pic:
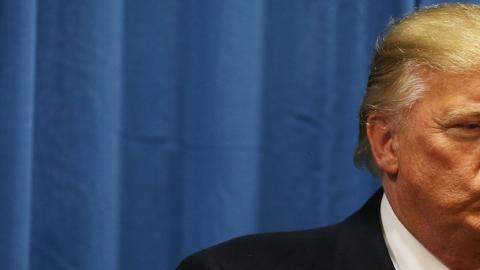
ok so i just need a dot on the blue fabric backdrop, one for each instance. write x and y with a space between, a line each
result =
135 132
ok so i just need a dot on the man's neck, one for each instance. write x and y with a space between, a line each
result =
405 250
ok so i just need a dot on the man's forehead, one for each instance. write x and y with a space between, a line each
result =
456 88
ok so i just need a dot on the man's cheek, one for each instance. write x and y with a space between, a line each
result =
441 156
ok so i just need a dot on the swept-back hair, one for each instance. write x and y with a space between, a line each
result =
445 38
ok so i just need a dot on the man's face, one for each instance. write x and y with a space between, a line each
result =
437 188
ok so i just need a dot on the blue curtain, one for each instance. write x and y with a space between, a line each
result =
135 132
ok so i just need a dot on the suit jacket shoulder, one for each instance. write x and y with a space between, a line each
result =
290 250
356 243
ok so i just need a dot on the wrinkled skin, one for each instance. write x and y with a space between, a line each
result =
432 179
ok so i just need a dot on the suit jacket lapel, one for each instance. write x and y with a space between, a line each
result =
360 243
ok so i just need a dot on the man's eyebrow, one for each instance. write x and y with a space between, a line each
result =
459 113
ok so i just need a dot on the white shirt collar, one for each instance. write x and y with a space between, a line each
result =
404 249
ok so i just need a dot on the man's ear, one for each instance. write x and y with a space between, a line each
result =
383 145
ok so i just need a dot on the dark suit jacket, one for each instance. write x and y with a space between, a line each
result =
356 243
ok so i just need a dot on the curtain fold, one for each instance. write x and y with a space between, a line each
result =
133 133
76 187
17 73
151 144
221 120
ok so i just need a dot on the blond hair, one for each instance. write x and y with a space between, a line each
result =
444 38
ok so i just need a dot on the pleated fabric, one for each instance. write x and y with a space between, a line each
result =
133 133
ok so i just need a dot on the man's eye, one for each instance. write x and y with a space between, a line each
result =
470 126
467 131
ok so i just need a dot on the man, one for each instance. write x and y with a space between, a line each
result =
420 134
